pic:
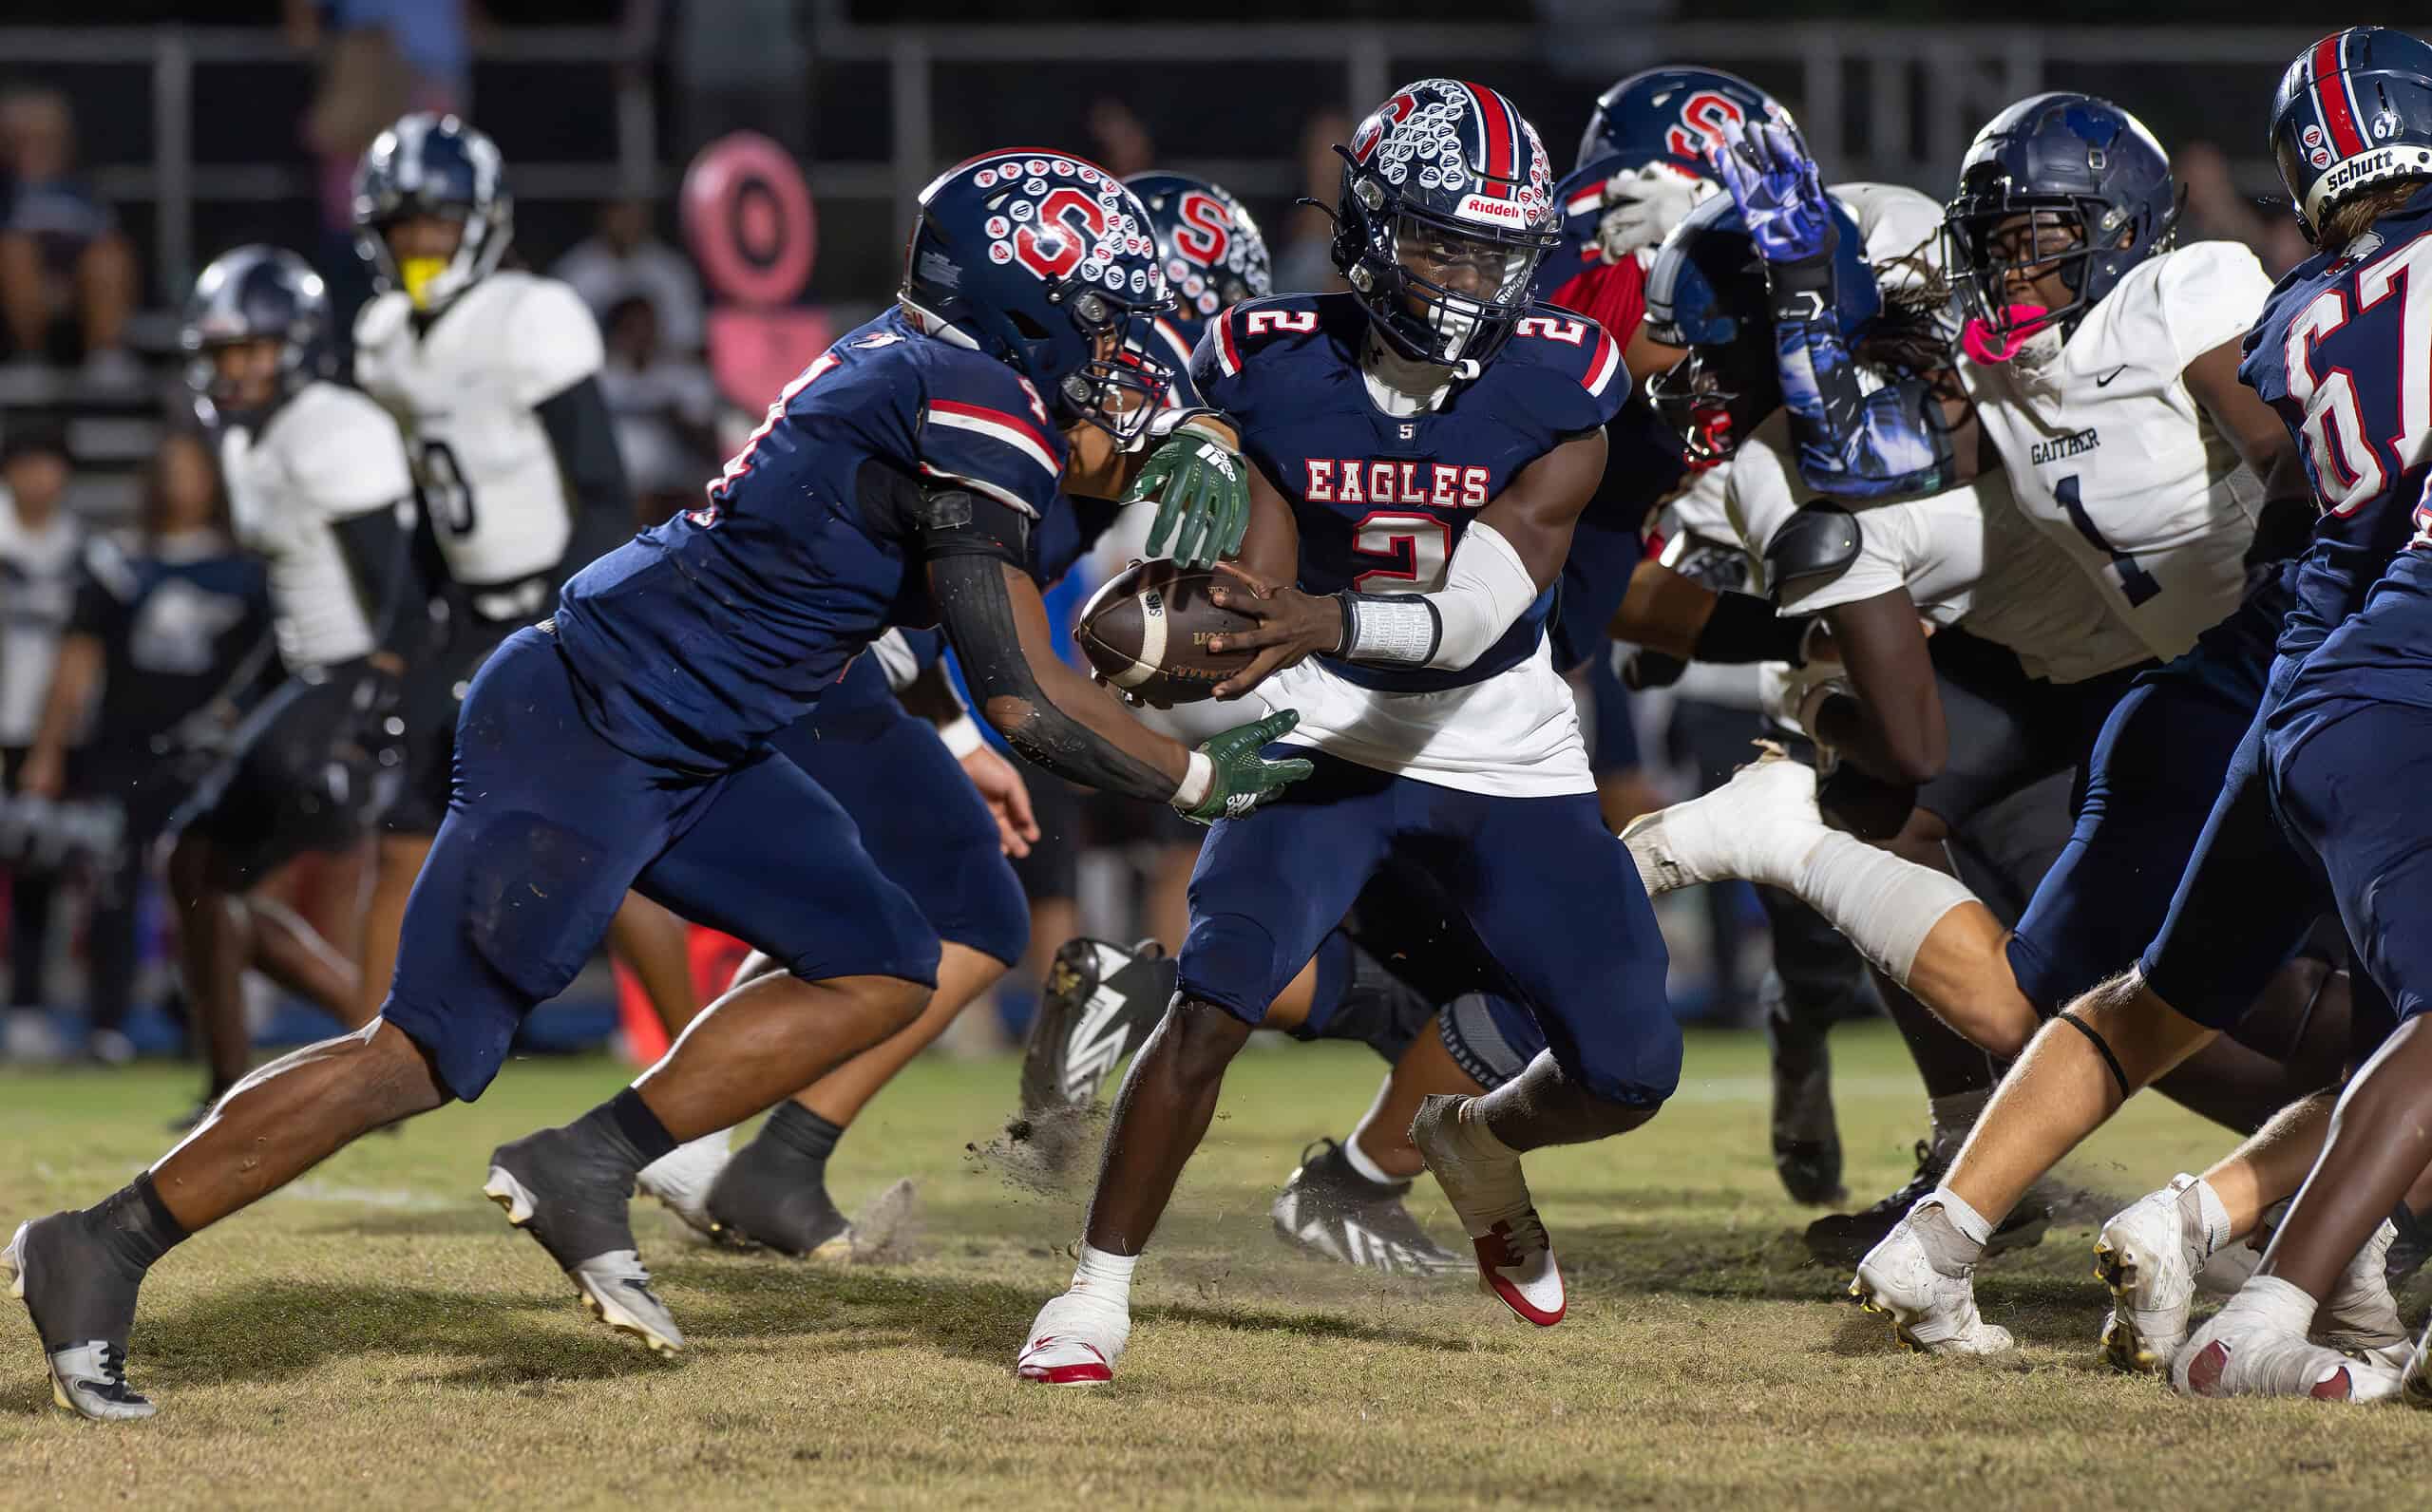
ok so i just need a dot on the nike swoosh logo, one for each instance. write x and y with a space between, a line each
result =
2104 382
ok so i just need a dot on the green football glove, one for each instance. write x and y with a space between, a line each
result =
1243 778
1203 492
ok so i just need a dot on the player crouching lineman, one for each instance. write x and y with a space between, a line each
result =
1437 728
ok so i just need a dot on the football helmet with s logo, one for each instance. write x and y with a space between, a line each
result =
1047 263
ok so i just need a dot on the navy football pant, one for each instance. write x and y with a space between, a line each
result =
921 820
2163 758
2347 790
1553 897
550 824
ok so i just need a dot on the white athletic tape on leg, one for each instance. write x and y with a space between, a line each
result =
1884 904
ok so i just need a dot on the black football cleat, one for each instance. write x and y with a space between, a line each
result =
1100 1004
1331 1210
1845 1238
573 1200
772 1197
82 1305
1806 1134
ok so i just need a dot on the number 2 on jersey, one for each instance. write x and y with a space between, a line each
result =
2136 584
1416 546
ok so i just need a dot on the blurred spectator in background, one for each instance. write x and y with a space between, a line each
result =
430 38
621 260
666 410
2217 211
1118 140
166 618
1305 263
40 542
68 276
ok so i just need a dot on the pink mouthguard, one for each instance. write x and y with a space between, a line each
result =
1981 342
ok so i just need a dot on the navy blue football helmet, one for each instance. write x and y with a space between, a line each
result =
2088 183
433 166
1045 262
1448 174
1215 255
255 294
1673 115
1707 292
2354 110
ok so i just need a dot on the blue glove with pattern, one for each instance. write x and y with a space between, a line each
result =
1779 193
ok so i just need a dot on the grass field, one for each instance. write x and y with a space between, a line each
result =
376 1337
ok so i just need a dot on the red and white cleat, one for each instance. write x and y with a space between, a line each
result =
2249 1349
1075 1341
1490 1197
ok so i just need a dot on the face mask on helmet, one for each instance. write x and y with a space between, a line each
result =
1120 386
2020 273
1453 280
1712 398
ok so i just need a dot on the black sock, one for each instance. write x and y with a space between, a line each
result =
802 1133
136 1226
630 1123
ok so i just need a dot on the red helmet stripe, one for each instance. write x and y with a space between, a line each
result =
2331 92
1502 140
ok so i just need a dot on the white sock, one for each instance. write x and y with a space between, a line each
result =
1950 1117
1368 1169
2213 1215
1105 1277
1969 1224
1885 905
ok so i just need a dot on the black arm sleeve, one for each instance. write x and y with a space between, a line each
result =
1743 627
380 558
977 613
583 437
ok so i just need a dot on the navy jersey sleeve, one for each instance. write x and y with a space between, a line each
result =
1568 370
981 425
1235 341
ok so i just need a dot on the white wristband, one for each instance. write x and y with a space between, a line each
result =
1397 631
961 735
1197 779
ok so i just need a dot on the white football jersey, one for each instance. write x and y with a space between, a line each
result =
465 386
1966 556
2110 455
326 455
37 598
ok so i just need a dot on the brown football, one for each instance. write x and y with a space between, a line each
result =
1146 633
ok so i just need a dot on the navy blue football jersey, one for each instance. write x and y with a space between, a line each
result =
2343 352
705 634
1382 501
174 622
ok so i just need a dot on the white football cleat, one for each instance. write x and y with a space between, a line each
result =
2360 1316
1932 1310
2144 1255
2244 1349
1075 1341
1490 1197
2415 1384
1724 834
680 1179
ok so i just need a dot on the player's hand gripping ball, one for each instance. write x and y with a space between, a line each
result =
1149 634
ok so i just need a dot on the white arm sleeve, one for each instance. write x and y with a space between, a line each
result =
1485 588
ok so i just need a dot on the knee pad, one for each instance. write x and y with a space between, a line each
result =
1228 961
1489 1037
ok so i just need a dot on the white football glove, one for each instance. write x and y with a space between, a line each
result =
1642 206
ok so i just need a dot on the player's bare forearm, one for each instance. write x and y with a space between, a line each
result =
1536 510
1895 730
2253 426
1662 611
